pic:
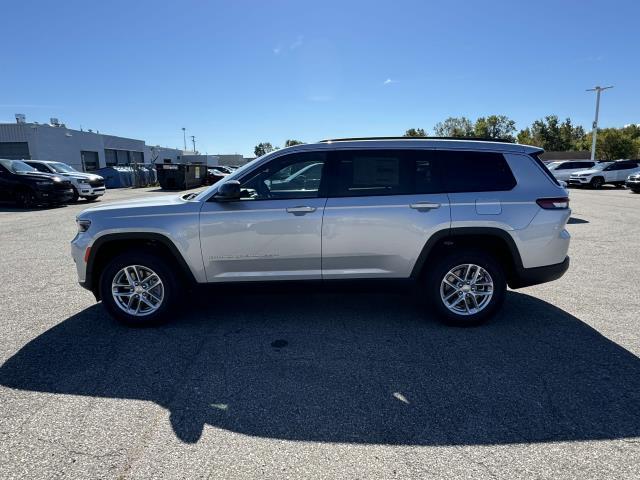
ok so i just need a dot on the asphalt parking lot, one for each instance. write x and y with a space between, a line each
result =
326 384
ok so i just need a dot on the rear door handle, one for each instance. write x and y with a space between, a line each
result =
424 205
301 210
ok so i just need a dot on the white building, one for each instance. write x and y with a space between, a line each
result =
83 150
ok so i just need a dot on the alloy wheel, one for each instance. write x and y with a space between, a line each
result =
466 289
137 290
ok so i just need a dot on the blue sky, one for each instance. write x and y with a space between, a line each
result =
239 72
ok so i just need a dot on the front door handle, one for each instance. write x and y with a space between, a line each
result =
424 205
301 210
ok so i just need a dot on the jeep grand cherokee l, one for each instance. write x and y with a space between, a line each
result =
463 219
28 187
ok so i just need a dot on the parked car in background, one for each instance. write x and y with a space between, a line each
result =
614 173
562 170
85 185
462 219
29 187
214 174
223 169
633 182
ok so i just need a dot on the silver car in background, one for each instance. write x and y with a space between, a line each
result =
563 169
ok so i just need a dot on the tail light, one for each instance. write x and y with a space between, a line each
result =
557 203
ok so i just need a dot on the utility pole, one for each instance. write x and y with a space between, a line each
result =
594 133
184 137
193 139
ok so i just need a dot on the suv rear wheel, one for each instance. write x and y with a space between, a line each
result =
138 289
466 288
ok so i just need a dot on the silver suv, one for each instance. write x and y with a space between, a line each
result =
463 219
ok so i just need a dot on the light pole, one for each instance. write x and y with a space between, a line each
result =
193 139
184 137
594 134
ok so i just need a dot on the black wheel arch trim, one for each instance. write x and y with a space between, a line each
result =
90 282
518 278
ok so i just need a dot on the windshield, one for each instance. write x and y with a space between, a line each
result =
16 166
599 166
62 167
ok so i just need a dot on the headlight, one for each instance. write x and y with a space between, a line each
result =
83 225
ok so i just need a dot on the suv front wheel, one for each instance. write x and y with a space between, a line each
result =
466 288
138 289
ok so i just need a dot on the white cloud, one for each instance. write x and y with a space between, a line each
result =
388 81
277 50
297 43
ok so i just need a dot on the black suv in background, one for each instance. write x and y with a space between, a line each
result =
28 187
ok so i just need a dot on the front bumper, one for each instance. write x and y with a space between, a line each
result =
54 195
79 246
633 184
89 191
525 277
579 180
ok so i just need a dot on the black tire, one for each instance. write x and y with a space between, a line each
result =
26 199
441 268
153 262
597 183
76 196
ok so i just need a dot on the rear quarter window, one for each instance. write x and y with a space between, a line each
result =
472 171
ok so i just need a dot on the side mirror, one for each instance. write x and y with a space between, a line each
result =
228 191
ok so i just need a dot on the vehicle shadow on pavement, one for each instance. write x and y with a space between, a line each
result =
368 367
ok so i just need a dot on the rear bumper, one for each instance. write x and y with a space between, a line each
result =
525 277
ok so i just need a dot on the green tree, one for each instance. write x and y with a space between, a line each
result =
291 143
415 132
552 135
263 148
454 127
612 144
497 127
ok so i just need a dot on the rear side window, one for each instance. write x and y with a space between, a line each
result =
360 173
372 172
468 171
544 168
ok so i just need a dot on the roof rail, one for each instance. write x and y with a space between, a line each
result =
473 139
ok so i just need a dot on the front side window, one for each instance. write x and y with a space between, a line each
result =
472 171
298 175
